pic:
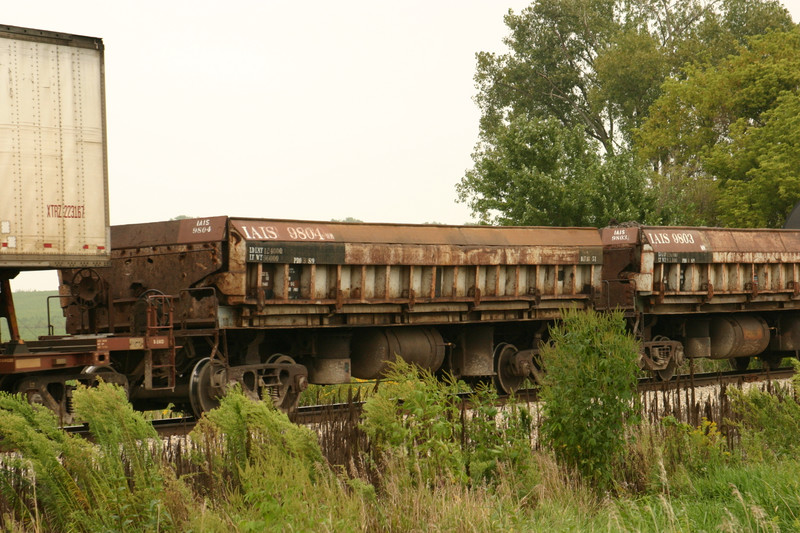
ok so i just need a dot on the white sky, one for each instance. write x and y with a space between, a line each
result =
284 109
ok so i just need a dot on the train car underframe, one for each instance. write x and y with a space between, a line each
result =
737 337
280 363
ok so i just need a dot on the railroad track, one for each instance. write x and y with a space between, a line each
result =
321 413
714 378
179 426
315 414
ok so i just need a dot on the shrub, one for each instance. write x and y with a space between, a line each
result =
114 484
240 431
589 392
418 421
417 418
769 424
697 449
267 473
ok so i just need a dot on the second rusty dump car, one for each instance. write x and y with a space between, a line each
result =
708 292
277 304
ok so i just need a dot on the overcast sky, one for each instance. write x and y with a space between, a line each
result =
284 109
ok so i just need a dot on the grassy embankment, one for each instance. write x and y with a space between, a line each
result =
422 465
419 467
31 309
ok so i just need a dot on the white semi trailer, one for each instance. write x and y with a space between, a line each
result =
53 199
54 185
53 157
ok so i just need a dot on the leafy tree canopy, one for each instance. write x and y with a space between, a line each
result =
581 76
733 130
566 182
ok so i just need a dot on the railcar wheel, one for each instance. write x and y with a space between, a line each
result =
667 373
740 364
201 393
280 359
771 362
108 375
506 379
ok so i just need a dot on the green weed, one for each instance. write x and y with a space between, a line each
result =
418 420
589 392
266 473
768 424
113 484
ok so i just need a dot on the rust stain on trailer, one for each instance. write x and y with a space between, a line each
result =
371 254
425 234
723 240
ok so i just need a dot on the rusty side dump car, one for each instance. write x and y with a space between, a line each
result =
275 304
707 292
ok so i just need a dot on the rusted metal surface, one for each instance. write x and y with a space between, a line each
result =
170 232
7 309
617 236
304 231
380 263
234 280
710 266
35 362
473 351
722 245
618 289
215 228
738 336
286 273
374 349
171 270
787 333
722 293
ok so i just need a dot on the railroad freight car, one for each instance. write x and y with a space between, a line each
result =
706 292
276 304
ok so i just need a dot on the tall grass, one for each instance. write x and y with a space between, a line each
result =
70 484
418 420
426 462
265 473
31 310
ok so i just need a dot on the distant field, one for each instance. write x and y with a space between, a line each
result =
31 307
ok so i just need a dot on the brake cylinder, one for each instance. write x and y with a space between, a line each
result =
738 336
373 349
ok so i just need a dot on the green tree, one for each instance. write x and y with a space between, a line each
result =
599 64
538 172
769 189
725 137
595 67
